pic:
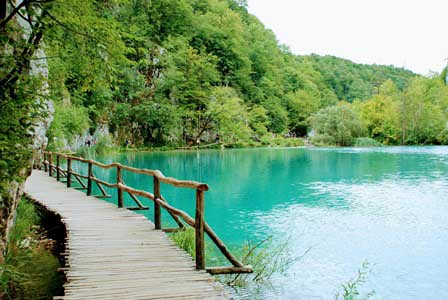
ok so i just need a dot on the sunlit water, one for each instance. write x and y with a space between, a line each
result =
387 206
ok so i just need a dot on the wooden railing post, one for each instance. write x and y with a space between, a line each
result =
50 161
119 190
89 180
199 224
157 213
58 164
199 228
45 165
69 172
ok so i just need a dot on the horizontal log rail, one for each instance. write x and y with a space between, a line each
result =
179 216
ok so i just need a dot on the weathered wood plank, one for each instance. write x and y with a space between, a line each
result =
113 253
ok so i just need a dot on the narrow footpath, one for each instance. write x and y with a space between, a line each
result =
114 253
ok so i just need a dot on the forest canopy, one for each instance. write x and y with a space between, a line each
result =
172 72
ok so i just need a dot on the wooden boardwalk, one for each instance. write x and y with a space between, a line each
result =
114 253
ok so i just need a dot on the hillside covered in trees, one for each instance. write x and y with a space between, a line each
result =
173 72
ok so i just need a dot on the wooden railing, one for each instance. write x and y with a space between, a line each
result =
198 222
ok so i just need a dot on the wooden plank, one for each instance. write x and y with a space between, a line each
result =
119 189
157 213
113 253
229 270
103 191
138 208
58 168
199 230
83 185
89 179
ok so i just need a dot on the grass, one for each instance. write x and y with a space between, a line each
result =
269 141
351 289
366 142
185 239
266 258
266 141
30 268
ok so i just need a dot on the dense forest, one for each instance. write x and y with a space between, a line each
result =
183 72
175 72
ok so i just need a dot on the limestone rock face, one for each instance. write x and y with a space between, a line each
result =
101 132
40 68
12 188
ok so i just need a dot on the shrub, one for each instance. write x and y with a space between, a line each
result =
30 269
336 125
69 121
266 258
280 141
366 142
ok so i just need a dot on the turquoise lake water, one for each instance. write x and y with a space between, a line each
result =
387 206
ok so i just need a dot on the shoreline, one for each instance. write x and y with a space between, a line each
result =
114 150
190 149
202 148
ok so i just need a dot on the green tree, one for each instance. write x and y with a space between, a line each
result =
87 55
380 114
221 32
69 121
230 115
258 120
336 125
22 93
352 81
187 82
422 116
278 117
159 123
18 104
301 105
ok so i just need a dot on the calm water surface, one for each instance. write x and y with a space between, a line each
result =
387 206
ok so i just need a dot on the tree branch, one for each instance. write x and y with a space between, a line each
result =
68 28
13 13
26 55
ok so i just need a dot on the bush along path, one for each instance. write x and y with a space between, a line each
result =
31 261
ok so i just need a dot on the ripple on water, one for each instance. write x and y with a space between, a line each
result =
386 205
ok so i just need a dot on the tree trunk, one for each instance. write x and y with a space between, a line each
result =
9 199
